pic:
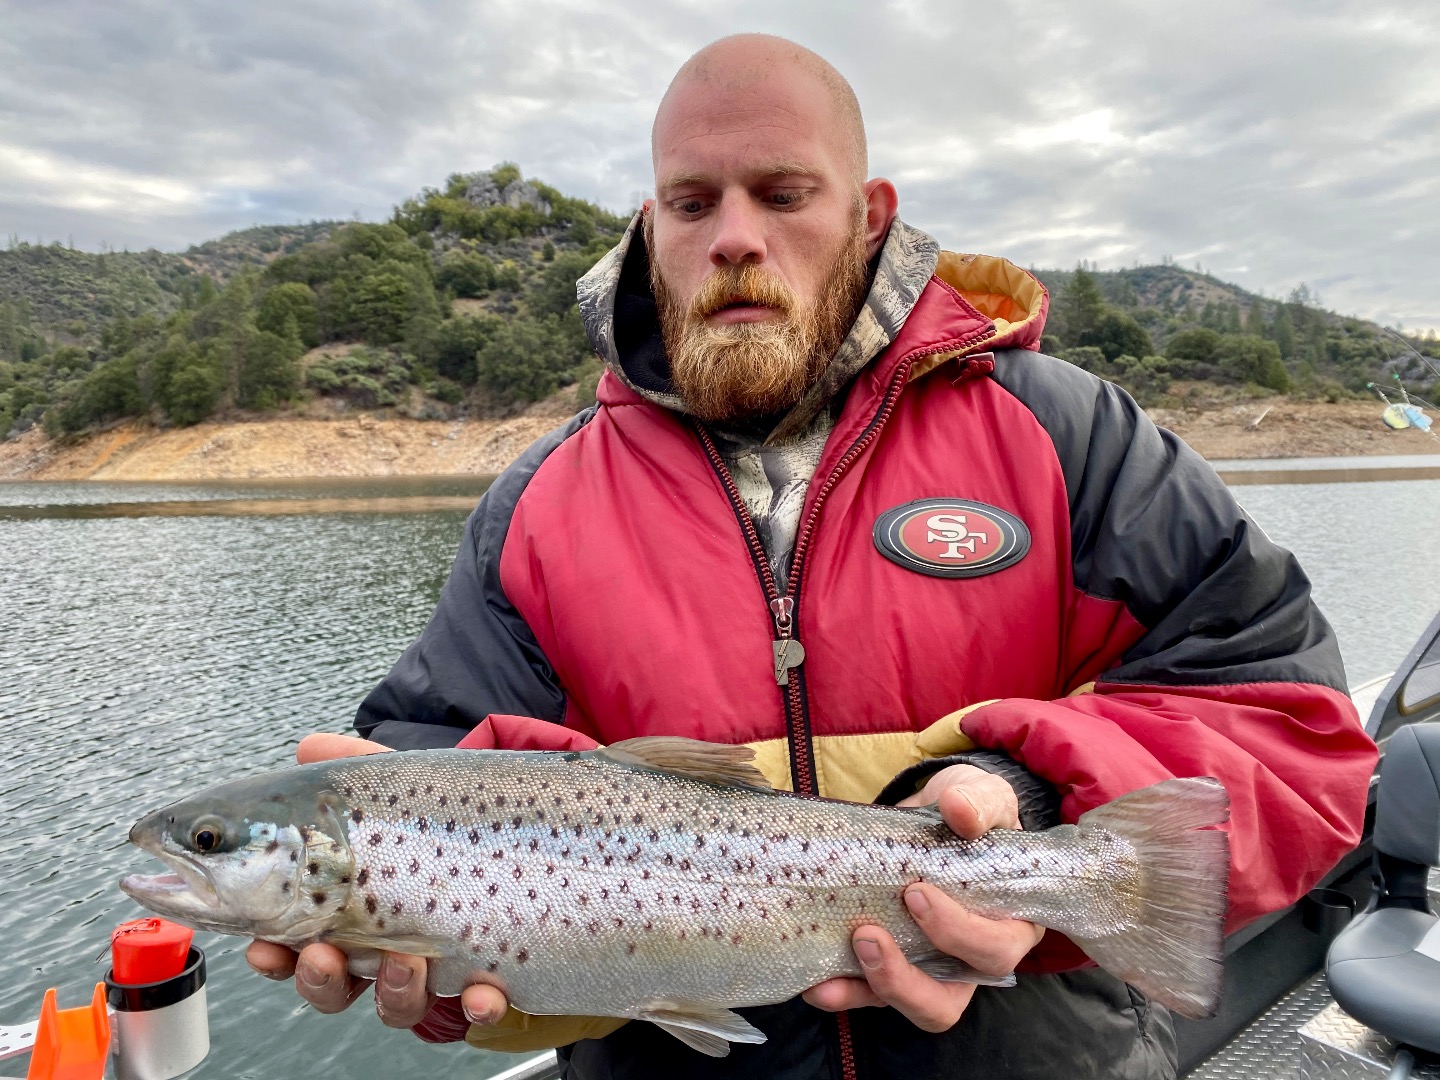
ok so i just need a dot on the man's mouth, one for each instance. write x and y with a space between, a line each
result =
740 310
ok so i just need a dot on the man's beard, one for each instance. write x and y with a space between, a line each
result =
746 369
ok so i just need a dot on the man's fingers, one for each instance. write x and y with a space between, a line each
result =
271 960
926 1003
991 946
971 801
483 1004
322 979
401 999
324 746
837 995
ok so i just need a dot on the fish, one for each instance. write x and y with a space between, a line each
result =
662 879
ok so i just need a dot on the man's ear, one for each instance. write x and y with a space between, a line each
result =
647 206
881 204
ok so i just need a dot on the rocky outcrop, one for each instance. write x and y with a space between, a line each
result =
481 191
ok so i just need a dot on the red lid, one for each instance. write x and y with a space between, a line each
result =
148 951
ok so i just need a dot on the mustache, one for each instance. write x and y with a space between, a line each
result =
741 284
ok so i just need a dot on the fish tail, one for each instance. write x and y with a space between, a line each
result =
1172 951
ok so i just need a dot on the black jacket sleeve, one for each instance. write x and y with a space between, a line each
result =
477 656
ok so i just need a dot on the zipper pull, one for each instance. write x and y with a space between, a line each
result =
788 653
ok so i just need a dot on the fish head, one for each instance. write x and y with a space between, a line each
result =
266 857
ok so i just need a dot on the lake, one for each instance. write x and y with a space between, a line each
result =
156 638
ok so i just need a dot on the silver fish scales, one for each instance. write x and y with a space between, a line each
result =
658 879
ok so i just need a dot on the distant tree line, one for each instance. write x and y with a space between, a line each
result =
1140 328
423 318
466 298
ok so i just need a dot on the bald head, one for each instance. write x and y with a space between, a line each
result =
761 67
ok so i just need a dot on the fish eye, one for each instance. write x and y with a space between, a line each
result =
206 837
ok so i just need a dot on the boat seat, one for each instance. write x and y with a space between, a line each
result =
1384 968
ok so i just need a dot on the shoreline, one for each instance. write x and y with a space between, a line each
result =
365 446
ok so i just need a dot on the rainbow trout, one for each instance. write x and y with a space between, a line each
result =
660 879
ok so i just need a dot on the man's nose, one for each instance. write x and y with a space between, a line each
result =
739 235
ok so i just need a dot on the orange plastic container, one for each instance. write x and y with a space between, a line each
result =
71 1044
148 951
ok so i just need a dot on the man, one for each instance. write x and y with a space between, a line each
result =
832 504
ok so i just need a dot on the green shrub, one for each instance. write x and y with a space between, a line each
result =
466 274
291 300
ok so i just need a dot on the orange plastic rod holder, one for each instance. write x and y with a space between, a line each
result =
71 1044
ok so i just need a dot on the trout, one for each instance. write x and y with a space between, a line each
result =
662 879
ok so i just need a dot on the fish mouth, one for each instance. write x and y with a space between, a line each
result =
186 888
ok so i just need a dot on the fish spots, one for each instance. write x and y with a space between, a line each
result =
504 947
312 868
491 967
362 877
423 824
454 871
387 872
450 826
397 907
430 906
380 924
272 847
522 955
517 873
455 906
630 948
414 866
294 856
474 836
285 886
499 800
392 800
370 905
492 889
464 800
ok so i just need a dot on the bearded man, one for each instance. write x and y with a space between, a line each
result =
833 504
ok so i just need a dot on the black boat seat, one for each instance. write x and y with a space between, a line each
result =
1384 968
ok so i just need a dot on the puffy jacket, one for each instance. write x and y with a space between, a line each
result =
997 550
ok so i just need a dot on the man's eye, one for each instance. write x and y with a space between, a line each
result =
689 206
787 199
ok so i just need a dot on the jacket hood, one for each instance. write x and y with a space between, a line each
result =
622 322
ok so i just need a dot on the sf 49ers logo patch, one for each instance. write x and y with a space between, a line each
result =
951 538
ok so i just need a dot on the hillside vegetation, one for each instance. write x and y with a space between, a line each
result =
464 303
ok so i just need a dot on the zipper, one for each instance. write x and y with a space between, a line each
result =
788 653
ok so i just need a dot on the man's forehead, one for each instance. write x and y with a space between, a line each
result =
756 172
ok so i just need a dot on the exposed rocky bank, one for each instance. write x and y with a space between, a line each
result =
365 445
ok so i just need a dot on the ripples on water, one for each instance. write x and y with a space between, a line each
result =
143 658
146 658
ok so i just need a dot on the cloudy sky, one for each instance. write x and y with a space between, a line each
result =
1271 141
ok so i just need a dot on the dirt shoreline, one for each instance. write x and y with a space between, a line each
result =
367 446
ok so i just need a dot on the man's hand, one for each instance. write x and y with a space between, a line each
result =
972 802
320 974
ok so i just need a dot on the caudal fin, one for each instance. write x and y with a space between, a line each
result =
1173 952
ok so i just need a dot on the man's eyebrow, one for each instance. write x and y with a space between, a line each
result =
776 170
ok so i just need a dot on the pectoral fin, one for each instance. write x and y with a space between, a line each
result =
363 943
706 1028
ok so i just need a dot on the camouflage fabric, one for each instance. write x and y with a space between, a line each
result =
772 461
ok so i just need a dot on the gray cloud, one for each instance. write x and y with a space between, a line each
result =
1295 140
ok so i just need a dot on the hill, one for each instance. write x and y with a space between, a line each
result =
463 304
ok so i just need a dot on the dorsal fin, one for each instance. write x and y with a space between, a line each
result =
713 763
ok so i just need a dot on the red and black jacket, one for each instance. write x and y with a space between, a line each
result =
1139 626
